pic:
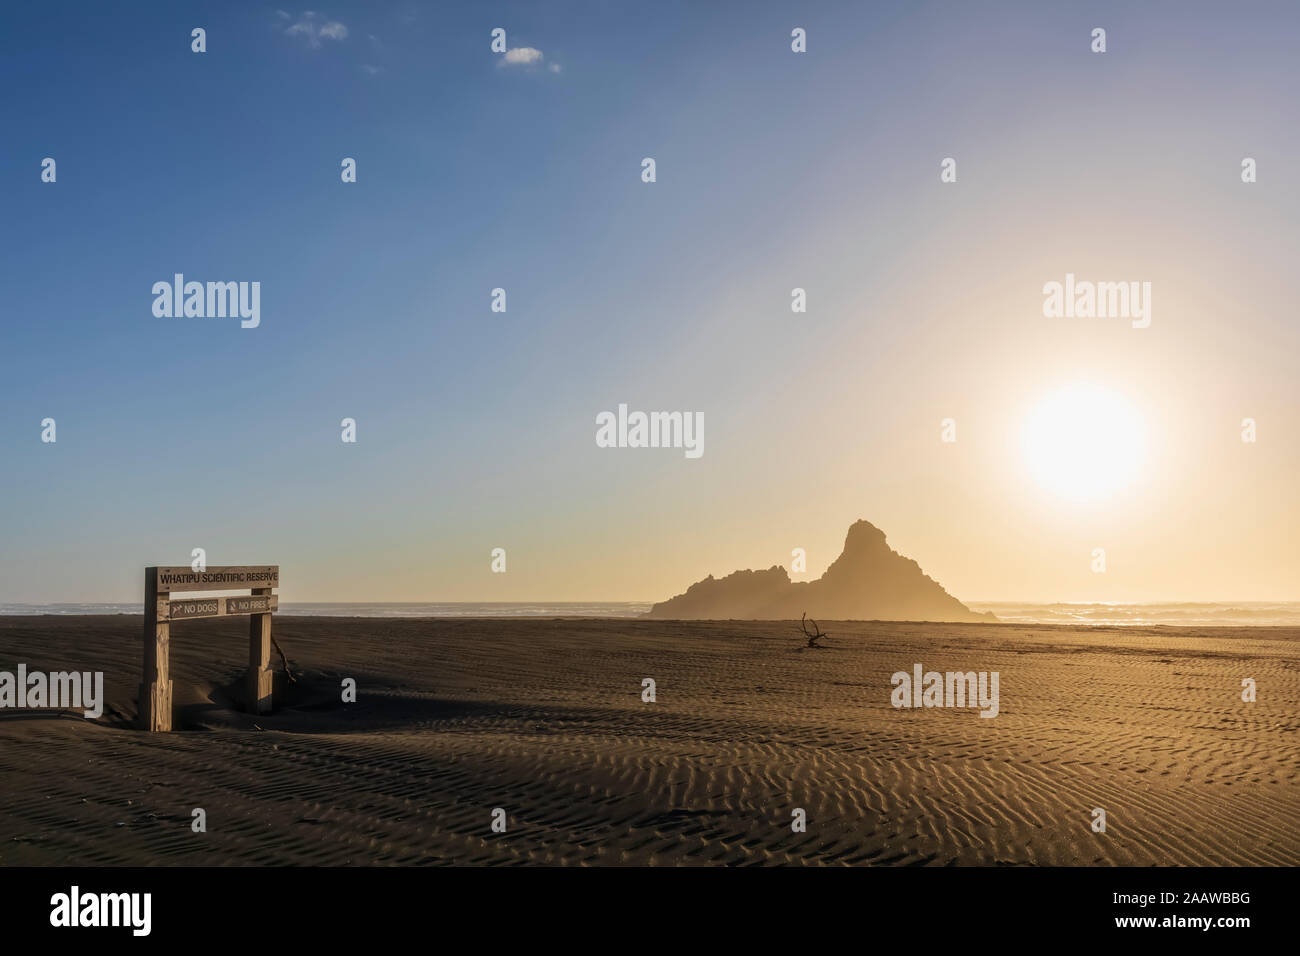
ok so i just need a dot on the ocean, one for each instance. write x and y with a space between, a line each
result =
1235 613
1187 614
412 609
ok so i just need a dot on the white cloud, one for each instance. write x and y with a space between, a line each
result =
313 29
554 68
524 55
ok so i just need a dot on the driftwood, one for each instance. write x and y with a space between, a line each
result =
812 638
287 671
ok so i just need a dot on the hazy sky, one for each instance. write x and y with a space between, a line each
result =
775 170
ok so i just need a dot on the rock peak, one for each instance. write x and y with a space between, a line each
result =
868 581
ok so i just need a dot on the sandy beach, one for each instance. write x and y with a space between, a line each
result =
545 719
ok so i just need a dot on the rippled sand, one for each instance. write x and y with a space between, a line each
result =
544 719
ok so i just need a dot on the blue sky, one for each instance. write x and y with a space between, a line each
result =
775 170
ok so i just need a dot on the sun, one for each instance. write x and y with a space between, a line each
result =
1084 442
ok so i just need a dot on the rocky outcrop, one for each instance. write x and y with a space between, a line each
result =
867 582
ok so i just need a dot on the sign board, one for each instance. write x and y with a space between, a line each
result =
191 608
218 579
160 611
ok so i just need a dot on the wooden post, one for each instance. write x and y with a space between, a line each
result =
155 711
259 661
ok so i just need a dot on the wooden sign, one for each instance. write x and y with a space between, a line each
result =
192 608
217 579
252 605
160 611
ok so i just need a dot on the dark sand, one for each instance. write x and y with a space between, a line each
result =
544 718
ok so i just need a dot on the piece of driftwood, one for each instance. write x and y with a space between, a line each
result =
812 638
288 672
